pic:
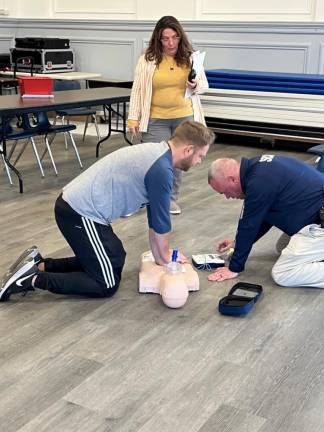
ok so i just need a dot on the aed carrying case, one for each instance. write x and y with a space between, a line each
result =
241 299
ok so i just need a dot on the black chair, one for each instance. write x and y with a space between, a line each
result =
89 112
8 84
24 132
7 169
28 130
44 127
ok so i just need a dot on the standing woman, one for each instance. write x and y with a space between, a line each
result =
158 104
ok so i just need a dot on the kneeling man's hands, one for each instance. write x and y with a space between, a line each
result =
182 259
225 245
221 274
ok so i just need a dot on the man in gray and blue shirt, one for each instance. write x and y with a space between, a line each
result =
118 184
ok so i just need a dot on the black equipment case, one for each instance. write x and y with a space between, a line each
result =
45 60
49 55
42 43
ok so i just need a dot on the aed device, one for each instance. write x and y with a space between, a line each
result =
207 261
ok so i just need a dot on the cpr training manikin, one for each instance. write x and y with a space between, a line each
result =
173 281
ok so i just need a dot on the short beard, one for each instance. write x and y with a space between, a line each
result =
186 164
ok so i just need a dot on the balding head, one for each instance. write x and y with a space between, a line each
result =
222 167
224 178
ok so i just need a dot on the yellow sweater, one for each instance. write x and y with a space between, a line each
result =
169 86
141 96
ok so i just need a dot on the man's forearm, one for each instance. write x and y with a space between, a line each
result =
160 247
154 248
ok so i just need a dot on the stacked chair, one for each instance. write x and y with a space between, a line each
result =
235 79
297 104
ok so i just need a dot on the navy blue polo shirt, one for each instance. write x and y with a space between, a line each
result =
279 191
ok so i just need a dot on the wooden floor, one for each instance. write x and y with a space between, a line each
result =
129 364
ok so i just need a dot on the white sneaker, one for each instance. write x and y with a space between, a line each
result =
175 208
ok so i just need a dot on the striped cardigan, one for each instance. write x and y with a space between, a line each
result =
141 95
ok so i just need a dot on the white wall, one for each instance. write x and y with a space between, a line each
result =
274 10
110 42
112 47
210 10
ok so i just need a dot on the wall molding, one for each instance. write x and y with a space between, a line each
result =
304 47
298 46
106 41
320 68
57 9
115 41
7 38
145 43
145 25
308 10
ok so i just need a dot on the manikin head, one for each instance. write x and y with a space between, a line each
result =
224 178
190 144
169 38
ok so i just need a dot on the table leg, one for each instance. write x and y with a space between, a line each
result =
108 108
4 121
111 129
18 174
125 125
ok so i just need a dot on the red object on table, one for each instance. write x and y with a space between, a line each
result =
36 86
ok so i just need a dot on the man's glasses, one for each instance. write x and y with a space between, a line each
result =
173 38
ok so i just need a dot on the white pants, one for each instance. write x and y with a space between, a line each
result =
300 263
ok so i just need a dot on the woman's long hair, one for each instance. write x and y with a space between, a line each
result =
154 51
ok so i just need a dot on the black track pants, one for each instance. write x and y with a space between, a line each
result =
95 270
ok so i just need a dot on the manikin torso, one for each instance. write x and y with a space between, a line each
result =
173 284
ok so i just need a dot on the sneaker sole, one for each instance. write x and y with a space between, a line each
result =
27 266
31 252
